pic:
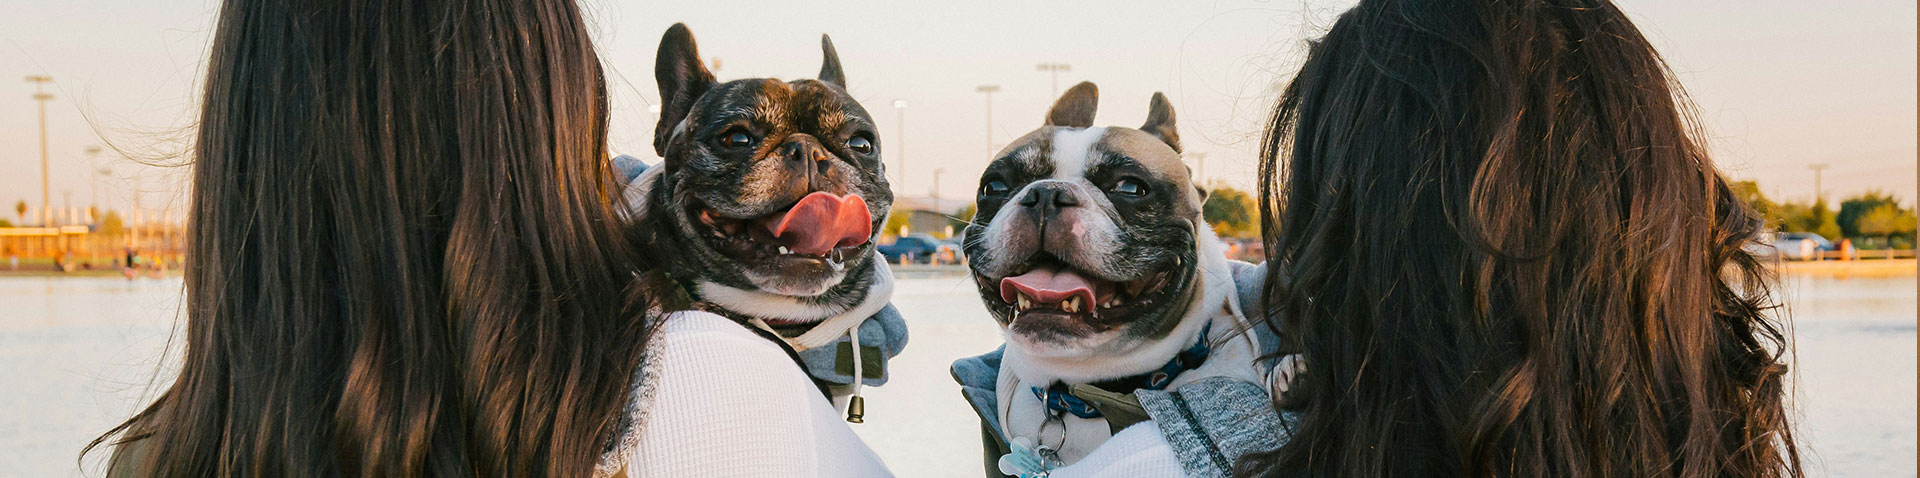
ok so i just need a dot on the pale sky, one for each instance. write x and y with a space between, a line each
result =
1780 84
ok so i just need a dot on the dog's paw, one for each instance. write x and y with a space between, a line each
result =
1285 371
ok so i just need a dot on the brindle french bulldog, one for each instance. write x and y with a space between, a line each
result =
768 201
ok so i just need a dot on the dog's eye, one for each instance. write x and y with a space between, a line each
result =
736 139
860 144
993 187
1130 187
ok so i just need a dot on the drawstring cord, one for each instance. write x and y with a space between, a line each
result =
857 406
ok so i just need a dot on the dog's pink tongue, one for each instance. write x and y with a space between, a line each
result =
1047 286
822 221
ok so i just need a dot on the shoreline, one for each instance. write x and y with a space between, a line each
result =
1844 269
89 273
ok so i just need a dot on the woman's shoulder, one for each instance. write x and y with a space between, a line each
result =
721 389
717 351
703 324
713 337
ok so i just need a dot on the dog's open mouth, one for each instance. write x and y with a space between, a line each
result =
822 228
1047 292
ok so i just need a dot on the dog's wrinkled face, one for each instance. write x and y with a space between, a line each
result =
771 186
1084 244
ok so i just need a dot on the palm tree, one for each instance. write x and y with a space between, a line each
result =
20 208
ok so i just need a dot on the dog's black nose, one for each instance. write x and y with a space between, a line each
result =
807 157
804 150
1046 199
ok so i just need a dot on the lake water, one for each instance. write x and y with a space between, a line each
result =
78 354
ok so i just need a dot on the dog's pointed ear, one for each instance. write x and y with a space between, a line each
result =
1075 108
683 78
830 66
1160 121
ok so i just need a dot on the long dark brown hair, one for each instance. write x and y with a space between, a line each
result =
1504 252
405 257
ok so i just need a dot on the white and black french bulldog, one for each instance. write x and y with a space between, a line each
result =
766 207
1090 251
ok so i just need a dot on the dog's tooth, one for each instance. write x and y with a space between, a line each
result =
1023 303
1073 305
785 251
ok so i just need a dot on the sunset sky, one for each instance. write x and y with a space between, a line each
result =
1780 85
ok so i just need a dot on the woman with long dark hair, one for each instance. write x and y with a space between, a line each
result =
407 259
1500 251
1503 251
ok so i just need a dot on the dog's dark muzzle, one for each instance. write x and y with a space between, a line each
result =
807 166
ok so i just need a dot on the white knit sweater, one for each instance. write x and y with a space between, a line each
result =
1139 451
726 402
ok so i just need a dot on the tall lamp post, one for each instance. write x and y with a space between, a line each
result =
989 89
1817 168
46 201
1054 69
937 208
900 134
93 206
936 187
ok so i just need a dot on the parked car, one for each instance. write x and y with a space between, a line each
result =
950 250
915 248
1801 246
1762 245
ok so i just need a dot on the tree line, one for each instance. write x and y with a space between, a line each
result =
1872 220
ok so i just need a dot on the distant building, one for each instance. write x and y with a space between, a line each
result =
931 216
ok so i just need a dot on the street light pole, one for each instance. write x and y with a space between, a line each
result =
936 187
989 89
101 211
1054 70
93 206
1817 168
46 201
900 134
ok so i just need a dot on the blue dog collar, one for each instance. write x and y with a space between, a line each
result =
1060 399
